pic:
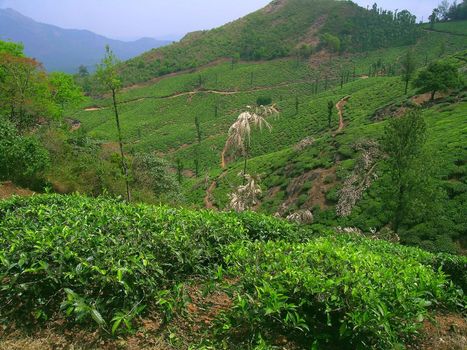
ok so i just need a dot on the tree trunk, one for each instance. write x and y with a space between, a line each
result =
120 142
406 86
400 209
433 95
244 167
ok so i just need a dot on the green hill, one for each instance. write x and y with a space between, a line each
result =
281 29
159 118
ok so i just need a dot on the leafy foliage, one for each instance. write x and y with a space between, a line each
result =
120 261
153 172
334 291
114 259
11 48
438 76
65 92
22 158
24 90
407 168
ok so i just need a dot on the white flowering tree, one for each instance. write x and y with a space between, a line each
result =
239 136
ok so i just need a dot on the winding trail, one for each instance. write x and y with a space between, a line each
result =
443 32
340 109
203 91
195 92
208 198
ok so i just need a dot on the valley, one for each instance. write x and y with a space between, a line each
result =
295 179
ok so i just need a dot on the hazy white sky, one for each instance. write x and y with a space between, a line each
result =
130 19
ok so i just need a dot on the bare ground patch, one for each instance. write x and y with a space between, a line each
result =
9 189
444 332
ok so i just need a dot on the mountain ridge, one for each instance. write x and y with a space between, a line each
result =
62 49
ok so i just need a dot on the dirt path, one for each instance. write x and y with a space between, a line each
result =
200 91
208 198
340 109
443 32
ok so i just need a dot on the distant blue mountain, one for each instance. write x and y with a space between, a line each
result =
66 49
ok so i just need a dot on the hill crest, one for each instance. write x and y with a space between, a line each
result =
283 28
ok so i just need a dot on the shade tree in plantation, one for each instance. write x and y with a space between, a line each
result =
408 65
451 11
440 76
65 92
199 135
107 75
405 166
330 112
434 17
239 135
457 11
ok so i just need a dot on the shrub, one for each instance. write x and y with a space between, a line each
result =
99 258
264 101
22 158
341 290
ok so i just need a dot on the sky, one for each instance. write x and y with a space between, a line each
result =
162 19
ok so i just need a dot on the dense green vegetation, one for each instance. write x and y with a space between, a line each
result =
118 261
344 291
151 123
346 124
270 33
22 158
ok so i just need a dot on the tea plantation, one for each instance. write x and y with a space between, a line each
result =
107 265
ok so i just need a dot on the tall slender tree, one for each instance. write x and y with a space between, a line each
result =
239 137
408 68
107 74
198 129
330 110
403 144
197 148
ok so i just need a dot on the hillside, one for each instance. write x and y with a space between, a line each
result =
159 118
293 180
281 29
182 279
65 49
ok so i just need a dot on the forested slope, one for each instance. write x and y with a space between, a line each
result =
283 28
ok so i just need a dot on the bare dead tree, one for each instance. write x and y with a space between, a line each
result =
239 136
246 196
304 217
361 177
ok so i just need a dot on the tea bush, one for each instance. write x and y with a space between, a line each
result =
104 262
345 291
99 257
